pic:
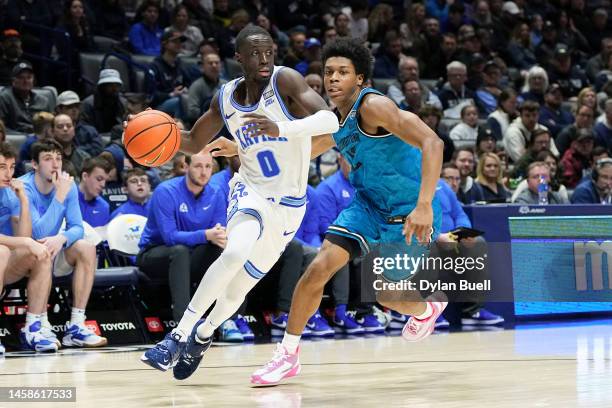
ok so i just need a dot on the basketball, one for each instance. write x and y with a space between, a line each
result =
152 138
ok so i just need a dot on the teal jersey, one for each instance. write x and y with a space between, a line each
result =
385 171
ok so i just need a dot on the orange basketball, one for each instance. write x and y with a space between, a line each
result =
152 138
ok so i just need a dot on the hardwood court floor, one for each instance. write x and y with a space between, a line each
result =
548 365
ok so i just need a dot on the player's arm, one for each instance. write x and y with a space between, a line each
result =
321 144
379 111
22 224
205 128
320 120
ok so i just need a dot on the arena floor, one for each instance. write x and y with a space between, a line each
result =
547 365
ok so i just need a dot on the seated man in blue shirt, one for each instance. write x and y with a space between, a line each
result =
138 191
186 218
21 256
94 209
596 189
53 198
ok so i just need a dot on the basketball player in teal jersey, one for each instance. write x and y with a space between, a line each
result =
396 161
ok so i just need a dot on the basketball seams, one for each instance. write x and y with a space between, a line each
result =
161 152
174 147
158 145
144 130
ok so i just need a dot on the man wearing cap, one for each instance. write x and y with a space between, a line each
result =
86 137
204 88
570 78
510 15
18 103
312 52
577 159
145 35
545 51
106 107
486 96
552 114
584 120
170 75
11 45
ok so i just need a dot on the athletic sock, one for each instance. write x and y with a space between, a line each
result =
31 318
44 320
291 342
206 330
77 316
427 313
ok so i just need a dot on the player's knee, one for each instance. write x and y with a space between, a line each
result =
179 251
317 274
233 259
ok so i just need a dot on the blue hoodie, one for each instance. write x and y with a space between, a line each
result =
453 215
334 194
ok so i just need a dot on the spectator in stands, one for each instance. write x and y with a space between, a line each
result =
86 136
295 53
2 132
509 16
408 70
11 55
540 141
22 256
499 120
456 18
193 35
570 77
552 113
76 24
138 191
481 17
43 129
584 121
54 199
111 20
315 82
171 76
554 182
429 49
145 36
489 179
599 61
312 53
179 165
520 130
587 96
73 156
388 56
18 103
412 97
577 159
603 129
359 23
464 159
596 189
570 36
520 51
535 85
451 175
535 172
31 11
94 209
114 191
432 116
230 68
278 36
204 88
598 30
227 37
485 142
545 51
466 132
186 218
486 96
106 107
342 24
454 95
536 24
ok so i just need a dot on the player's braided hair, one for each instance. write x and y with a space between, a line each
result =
353 50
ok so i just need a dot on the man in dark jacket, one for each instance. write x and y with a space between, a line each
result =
106 107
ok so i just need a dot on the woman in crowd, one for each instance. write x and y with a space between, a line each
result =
489 178
500 119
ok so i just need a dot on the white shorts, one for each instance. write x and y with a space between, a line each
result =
279 219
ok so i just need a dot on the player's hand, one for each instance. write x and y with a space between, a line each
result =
37 249
419 223
217 235
18 189
258 125
178 91
63 183
130 117
54 244
222 146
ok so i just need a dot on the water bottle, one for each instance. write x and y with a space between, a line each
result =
543 191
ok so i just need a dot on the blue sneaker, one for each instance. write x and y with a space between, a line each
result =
371 324
230 333
165 354
79 335
318 326
344 322
2 349
31 338
191 355
245 330
441 323
398 320
481 318
278 324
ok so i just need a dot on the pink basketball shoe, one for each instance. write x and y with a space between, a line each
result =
283 365
417 330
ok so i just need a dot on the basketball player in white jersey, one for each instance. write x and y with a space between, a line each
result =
267 196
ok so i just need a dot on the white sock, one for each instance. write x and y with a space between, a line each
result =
31 318
206 330
77 316
427 313
242 237
45 321
291 342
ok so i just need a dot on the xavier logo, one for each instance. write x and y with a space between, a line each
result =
596 252
183 208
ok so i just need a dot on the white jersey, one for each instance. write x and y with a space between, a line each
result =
273 167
